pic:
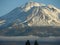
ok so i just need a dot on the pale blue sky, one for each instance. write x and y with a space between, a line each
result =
8 5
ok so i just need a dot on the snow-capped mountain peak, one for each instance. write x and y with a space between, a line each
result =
31 19
33 14
29 5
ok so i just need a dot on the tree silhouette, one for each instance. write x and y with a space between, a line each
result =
28 42
35 43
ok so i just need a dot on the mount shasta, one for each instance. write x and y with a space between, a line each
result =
31 19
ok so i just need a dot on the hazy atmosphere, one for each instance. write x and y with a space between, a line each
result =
25 22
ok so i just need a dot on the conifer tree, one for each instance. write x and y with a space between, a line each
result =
28 42
35 43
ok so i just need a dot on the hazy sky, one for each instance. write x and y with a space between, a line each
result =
8 5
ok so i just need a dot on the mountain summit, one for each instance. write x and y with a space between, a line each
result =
42 15
30 15
29 5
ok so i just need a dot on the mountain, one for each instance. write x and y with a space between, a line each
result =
30 19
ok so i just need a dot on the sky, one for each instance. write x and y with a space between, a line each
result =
8 5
